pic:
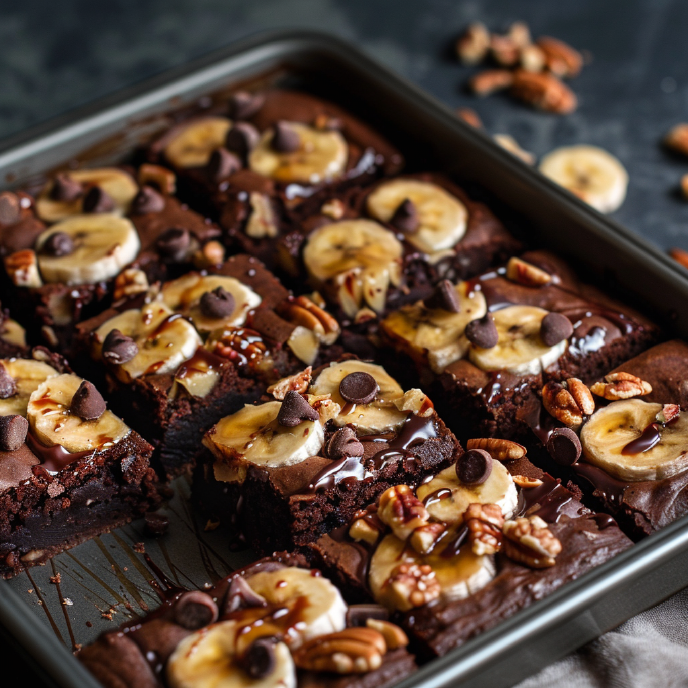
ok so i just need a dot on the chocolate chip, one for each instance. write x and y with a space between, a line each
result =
156 523
222 164
147 200
58 244
242 138
218 303
118 348
482 332
243 104
405 217
98 201
10 208
174 243
358 614
13 431
242 596
87 402
294 410
8 386
259 659
554 328
344 443
285 139
564 446
195 609
65 188
359 388
474 467
444 297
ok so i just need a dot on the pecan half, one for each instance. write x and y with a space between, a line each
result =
544 92
412 585
402 511
568 401
472 46
393 635
677 139
529 541
500 450
561 59
484 523
520 271
581 395
129 283
504 50
490 81
22 268
298 382
302 311
621 386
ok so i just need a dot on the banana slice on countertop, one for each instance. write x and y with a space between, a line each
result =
378 416
320 156
433 332
253 435
165 340
209 658
119 186
27 375
626 440
184 296
195 143
590 173
95 249
520 349
358 259
52 422
447 499
442 218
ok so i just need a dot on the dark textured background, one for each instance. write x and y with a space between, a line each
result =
57 55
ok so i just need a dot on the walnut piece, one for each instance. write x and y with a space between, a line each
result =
500 450
484 523
298 382
621 386
402 511
529 541
129 283
520 271
568 401
412 585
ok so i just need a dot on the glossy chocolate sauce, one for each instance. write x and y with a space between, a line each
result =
644 442
546 501
201 362
606 487
54 458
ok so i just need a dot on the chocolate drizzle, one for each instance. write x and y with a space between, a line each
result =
53 459
202 361
644 442
546 501
341 469
605 486
415 431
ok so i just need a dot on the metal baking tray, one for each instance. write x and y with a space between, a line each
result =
108 580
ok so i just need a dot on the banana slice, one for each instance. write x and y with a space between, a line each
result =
184 294
359 258
519 350
52 422
194 144
117 184
27 375
442 217
380 415
447 499
607 436
433 333
208 659
321 156
13 333
253 436
590 173
103 245
165 340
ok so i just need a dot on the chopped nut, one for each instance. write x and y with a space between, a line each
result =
520 271
362 530
333 208
298 382
417 402
621 386
22 268
402 511
500 450
510 144
156 175
529 541
524 481
324 405
393 635
668 413
129 283
354 650
262 222
504 50
684 185
302 311
532 58
677 139
472 46
412 585
484 523
543 91
424 538
470 117
561 59
241 345
490 81
559 401
210 254
679 255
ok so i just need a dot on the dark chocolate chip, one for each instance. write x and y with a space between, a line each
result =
405 217
295 410
156 523
8 386
242 138
195 609
242 596
358 614
118 348
222 164
87 402
10 208
482 332
174 243
285 139
58 244
13 431
564 446
65 188
259 659
147 200
444 297
554 328
218 303
474 467
98 201
344 443
243 104
359 388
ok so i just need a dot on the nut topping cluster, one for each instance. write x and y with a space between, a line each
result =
412 585
621 386
529 541
568 401
484 523
402 511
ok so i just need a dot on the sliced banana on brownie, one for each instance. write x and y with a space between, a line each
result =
379 414
519 348
627 440
19 378
440 221
12 332
356 261
86 249
310 156
195 142
64 196
57 415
